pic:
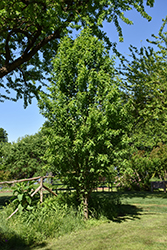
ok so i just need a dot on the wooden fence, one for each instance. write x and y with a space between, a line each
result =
58 187
38 189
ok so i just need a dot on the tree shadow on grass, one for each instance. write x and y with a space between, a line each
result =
143 194
108 205
4 200
12 241
127 212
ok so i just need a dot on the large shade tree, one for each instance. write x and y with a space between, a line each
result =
86 118
30 31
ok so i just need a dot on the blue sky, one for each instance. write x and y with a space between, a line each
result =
19 122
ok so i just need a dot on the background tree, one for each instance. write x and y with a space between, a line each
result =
5 172
158 157
31 30
145 86
86 119
3 135
23 158
143 167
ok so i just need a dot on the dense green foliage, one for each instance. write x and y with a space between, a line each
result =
23 158
86 119
145 87
30 33
3 135
22 196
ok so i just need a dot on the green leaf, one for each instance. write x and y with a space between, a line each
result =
20 197
29 207
20 207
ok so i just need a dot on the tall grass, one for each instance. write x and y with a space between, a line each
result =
53 218
49 220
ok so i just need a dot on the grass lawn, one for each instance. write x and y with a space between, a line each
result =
148 231
142 225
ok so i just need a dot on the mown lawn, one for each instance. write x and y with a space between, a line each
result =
148 231
141 225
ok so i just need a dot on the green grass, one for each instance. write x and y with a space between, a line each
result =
140 224
142 233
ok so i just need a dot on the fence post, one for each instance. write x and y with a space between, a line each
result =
41 191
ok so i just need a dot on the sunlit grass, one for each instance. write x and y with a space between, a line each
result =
139 222
145 232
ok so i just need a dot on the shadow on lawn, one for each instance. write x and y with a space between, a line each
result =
143 194
108 205
126 212
4 200
12 241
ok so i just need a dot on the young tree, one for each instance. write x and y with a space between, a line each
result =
31 30
86 118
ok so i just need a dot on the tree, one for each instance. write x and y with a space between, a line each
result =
3 135
31 30
143 166
23 158
5 172
145 87
158 157
86 119
145 78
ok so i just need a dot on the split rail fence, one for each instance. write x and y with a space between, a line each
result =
58 187
38 189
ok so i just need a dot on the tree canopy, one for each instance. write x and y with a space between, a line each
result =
30 31
145 86
23 158
3 135
86 119
145 78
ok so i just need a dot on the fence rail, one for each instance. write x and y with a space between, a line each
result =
22 180
42 186
38 189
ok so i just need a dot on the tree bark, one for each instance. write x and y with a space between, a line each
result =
86 212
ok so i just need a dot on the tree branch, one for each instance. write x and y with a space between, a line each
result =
6 69
30 51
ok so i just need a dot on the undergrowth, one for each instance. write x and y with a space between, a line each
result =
53 218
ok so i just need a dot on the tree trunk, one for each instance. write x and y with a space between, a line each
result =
85 207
